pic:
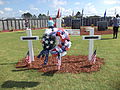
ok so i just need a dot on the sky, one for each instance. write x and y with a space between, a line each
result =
15 8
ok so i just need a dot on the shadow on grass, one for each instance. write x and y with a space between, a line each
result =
7 63
19 84
106 38
20 70
49 73
19 32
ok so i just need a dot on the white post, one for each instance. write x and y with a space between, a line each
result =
58 22
30 46
91 43
59 62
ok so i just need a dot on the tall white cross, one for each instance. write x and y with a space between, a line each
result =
58 22
29 38
91 39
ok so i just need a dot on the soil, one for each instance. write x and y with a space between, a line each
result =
70 64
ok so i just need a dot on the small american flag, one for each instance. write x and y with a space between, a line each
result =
93 59
58 14
27 58
105 15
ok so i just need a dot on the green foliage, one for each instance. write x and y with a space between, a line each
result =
78 15
12 49
41 16
27 15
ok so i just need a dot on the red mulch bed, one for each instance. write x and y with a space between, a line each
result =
70 64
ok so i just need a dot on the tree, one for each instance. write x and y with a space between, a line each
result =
34 16
78 15
27 15
95 16
42 16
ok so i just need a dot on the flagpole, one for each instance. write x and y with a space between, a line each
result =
105 15
73 13
48 13
82 17
115 11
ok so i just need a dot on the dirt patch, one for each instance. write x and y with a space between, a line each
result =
70 64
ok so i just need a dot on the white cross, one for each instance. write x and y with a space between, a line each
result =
73 32
91 39
58 22
29 38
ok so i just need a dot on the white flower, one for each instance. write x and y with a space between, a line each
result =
51 42
46 41
47 46
43 39
47 36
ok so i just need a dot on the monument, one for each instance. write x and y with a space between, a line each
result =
76 23
102 25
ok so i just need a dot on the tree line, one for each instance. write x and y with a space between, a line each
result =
30 16
43 16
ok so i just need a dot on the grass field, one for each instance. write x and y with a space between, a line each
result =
12 49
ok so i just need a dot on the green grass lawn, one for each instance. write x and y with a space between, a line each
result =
12 49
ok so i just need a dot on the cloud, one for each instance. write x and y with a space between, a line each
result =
2 2
58 3
68 11
65 11
111 11
1 12
42 1
111 1
32 7
35 9
22 12
77 3
90 9
8 9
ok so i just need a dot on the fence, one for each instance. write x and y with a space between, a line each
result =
15 24
11 24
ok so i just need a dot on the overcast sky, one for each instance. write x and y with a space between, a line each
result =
14 8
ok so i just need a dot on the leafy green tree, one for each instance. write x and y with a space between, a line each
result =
42 16
95 16
27 15
78 15
34 16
